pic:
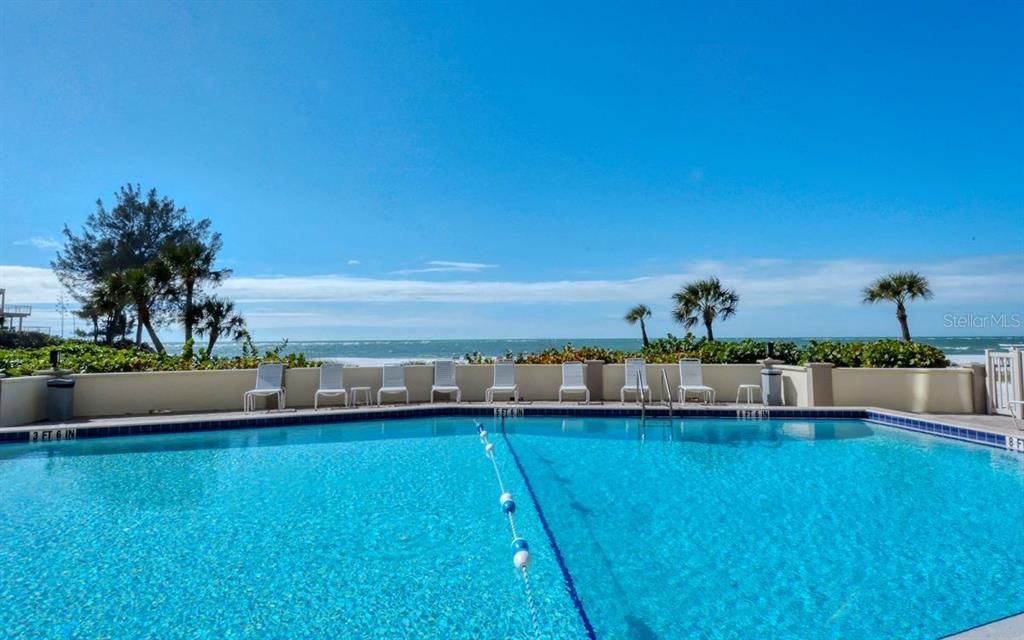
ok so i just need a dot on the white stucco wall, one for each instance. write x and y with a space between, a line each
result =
22 400
916 390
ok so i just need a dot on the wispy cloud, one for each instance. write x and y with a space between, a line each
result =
306 319
39 242
447 266
760 282
353 262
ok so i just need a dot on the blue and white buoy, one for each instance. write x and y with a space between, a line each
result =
520 553
508 504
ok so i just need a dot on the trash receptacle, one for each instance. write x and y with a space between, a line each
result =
771 387
60 399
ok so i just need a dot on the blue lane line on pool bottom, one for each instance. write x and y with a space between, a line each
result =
570 586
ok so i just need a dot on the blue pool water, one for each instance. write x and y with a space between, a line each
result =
701 529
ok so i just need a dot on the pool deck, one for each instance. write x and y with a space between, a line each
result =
993 424
1009 628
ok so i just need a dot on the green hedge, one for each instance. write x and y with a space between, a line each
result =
86 357
881 353
26 340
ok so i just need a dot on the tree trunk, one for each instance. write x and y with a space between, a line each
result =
711 333
901 315
138 328
110 328
189 292
159 346
643 331
214 334
144 321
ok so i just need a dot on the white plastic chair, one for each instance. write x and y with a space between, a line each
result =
269 382
504 380
332 383
634 367
572 380
393 381
691 380
444 380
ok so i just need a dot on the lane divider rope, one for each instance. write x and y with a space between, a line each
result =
570 585
520 547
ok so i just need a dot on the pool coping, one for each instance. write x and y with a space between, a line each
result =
943 427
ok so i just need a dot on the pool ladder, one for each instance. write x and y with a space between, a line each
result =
665 387
640 394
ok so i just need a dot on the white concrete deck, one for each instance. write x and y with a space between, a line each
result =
1002 425
1011 628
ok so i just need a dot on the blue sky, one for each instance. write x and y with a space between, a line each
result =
393 170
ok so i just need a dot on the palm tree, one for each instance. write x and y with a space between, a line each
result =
144 287
704 301
638 314
107 304
217 317
191 265
899 287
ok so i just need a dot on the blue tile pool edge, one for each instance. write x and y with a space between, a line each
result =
909 423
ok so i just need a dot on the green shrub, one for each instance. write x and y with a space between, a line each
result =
26 340
569 353
880 353
746 352
86 357
840 354
897 353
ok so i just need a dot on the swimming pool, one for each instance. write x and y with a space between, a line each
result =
703 528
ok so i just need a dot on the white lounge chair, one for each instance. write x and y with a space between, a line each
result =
332 383
393 381
504 380
635 367
572 380
444 380
691 380
269 382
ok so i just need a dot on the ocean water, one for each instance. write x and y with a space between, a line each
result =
693 529
369 351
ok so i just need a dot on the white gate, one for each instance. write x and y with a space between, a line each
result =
1004 375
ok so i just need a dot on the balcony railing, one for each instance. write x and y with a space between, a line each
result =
16 310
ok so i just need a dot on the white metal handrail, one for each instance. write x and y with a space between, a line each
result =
640 392
668 388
